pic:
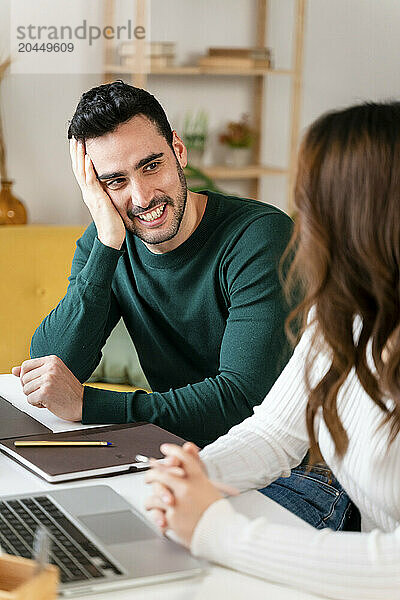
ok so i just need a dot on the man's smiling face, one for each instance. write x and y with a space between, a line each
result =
143 177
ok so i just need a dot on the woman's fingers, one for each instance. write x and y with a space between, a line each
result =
157 508
158 517
191 448
163 492
154 501
188 459
177 471
170 461
164 477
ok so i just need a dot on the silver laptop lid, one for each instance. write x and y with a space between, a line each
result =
132 552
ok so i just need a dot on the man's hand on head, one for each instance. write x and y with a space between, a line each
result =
110 227
48 383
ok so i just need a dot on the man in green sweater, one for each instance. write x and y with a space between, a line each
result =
193 275
195 278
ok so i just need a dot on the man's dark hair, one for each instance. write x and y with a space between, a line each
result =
103 108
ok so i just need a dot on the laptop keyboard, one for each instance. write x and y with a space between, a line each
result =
71 551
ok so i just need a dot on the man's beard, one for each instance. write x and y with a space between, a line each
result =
178 206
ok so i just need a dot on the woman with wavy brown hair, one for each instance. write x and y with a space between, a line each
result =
339 393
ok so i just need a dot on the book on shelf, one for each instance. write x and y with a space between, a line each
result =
152 49
228 62
257 53
152 62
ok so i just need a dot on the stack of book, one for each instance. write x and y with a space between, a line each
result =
220 58
158 55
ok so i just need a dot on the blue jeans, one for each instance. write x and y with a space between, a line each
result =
316 497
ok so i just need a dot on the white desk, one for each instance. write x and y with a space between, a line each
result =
217 583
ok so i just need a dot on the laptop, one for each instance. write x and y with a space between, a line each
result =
98 540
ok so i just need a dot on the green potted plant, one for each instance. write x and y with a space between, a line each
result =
198 180
238 138
195 129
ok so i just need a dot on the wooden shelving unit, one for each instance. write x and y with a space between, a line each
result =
247 172
259 77
200 71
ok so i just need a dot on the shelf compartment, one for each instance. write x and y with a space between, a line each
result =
194 70
246 172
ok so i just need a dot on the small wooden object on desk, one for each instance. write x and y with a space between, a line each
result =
19 579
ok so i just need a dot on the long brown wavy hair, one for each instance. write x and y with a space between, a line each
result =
347 257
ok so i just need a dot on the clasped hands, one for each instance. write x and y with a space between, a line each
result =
181 491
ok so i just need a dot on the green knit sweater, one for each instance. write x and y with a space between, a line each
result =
207 320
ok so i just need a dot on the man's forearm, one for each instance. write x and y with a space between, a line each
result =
78 327
76 333
199 413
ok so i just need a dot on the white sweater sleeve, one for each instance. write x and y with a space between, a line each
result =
342 565
270 443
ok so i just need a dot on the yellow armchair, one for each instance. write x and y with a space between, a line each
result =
35 261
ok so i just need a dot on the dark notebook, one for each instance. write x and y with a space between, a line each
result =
64 463
15 423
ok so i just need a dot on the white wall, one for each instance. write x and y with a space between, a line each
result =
351 54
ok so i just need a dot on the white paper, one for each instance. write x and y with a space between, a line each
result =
11 390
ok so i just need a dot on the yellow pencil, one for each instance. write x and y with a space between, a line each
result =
61 443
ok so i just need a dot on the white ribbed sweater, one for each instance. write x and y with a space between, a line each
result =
266 446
